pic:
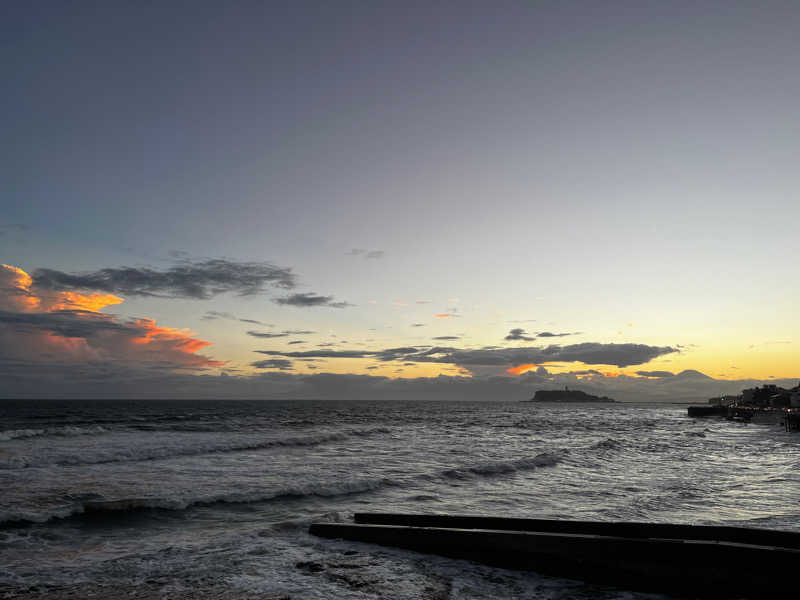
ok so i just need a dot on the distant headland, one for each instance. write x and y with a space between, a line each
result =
567 395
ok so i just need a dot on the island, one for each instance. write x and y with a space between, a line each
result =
567 395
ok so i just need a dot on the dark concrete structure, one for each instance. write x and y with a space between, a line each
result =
718 562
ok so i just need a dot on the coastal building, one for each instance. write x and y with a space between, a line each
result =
766 395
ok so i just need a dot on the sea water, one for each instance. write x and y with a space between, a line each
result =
171 499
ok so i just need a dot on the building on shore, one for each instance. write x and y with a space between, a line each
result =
771 396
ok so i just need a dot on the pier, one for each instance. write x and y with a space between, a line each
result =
700 561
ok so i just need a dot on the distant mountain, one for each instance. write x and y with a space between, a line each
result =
692 374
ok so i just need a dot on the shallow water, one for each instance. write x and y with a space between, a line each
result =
170 497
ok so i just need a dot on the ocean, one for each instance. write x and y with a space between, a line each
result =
212 499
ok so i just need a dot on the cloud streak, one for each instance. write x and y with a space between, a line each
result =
549 334
310 299
518 334
273 363
367 253
212 315
284 333
198 280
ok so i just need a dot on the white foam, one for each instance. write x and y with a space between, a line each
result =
64 431
139 446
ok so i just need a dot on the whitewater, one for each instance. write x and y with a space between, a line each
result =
167 499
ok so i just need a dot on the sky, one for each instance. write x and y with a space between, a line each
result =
398 199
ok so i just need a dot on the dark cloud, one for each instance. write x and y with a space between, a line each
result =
655 373
418 324
447 337
518 334
320 353
310 299
621 355
296 342
67 323
366 253
273 363
284 333
549 334
187 279
260 334
212 315
371 368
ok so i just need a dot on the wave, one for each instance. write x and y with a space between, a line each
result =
93 506
63 431
607 444
145 453
127 505
545 459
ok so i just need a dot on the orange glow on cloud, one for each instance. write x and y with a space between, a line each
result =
20 297
88 302
151 342
444 316
520 369
16 284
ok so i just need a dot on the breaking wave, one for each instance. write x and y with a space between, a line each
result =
97 505
65 431
545 459
145 453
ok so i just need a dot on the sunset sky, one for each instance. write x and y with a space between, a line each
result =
354 199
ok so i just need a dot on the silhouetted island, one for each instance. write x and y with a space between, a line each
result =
567 396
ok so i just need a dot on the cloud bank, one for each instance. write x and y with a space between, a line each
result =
591 353
109 379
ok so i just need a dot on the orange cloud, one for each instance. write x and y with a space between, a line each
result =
15 287
168 341
445 316
106 337
87 302
17 294
520 369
